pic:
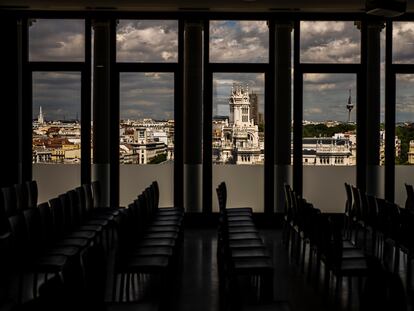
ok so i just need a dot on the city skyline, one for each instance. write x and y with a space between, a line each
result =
231 41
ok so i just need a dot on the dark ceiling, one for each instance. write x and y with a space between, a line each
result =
210 5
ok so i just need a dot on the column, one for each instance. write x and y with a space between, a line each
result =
101 108
10 101
193 116
282 111
372 106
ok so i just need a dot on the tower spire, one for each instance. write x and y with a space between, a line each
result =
40 118
349 106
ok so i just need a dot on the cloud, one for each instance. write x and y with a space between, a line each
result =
147 95
403 42
239 41
57 40
58 93
330 42
147 41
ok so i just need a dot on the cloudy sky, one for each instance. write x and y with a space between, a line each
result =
151 94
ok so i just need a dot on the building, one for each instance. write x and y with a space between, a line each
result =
239 136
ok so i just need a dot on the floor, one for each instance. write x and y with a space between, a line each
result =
195 284
198 289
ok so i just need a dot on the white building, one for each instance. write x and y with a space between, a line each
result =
239 142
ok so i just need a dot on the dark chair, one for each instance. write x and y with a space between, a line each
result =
26 259
22 199
409 202
32 193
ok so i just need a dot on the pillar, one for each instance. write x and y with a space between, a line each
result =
282 111
101 108
372 106
193 116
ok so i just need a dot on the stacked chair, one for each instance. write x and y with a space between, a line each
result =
241 255
61 240
150 241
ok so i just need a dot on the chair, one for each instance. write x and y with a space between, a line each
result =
32 193
409 202
22 199
26 260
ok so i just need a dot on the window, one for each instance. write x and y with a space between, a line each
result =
329 42
147 41
56 40
239 42
329 137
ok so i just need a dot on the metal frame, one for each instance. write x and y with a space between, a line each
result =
84 68
210 68
300 69
391 72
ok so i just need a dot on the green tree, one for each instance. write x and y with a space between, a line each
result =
158 159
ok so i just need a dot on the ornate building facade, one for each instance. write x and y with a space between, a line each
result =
238 140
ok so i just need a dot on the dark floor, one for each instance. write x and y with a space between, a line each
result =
195 285
197 288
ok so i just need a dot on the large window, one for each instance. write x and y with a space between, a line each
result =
146 103
56 53
238 109
329 137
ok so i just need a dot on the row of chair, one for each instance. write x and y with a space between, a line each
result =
242 256
150 240
53 238
360 243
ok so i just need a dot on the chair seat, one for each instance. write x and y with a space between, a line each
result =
81 243
161 235
51 264
81 235
154 251
244 236
68 251
246 243
252 265
249 252
349 253
162 229
156 242
241 229
147 264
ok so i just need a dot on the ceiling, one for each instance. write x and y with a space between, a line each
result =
188 5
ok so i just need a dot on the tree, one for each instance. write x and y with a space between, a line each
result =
159 158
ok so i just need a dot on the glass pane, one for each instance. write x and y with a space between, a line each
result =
57 40
56 117
329 138
404 135
147 41
239 41
329 42
146 134
238 137
147 117
403 42
404 115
